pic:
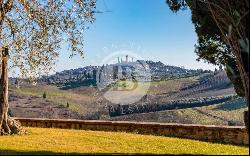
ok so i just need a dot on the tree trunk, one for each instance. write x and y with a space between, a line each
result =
245 79
246 120
246 88
239 32
7 125
4 95
244 75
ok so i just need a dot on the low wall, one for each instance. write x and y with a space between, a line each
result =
222 134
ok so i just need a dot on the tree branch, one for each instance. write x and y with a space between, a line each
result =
11 26
27 7
35 15
8 6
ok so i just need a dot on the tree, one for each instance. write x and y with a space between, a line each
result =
223 36
17 83
44 95
33 31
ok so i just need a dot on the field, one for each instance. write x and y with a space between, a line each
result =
227 113
30 98
50 141
87 102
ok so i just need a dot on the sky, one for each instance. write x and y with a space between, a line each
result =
147 28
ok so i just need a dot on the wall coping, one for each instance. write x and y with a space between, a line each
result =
105 122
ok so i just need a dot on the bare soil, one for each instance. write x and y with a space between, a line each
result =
37 107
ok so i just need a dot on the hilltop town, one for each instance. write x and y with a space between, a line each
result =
158 71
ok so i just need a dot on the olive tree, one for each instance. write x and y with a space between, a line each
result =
31 34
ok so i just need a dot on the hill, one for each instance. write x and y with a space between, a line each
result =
87 75
175 94
194 100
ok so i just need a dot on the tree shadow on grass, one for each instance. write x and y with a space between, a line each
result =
13 152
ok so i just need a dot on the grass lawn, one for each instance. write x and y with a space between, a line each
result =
58 141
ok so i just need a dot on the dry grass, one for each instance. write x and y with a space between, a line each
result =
170 85
78 102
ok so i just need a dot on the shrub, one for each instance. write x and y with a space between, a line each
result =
44 95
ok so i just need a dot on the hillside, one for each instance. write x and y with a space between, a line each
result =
191 99
226 113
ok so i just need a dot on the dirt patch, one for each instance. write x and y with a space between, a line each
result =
37 107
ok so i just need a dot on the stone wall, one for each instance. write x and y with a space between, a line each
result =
222 134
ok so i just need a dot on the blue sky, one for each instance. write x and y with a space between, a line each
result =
145 27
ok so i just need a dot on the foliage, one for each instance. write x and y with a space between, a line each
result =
234 75
44 95
119 110
213 45
76 84
35 30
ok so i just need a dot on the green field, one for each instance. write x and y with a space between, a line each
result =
218 114
226 113
63 141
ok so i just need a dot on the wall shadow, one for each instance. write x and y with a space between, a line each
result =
13 152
